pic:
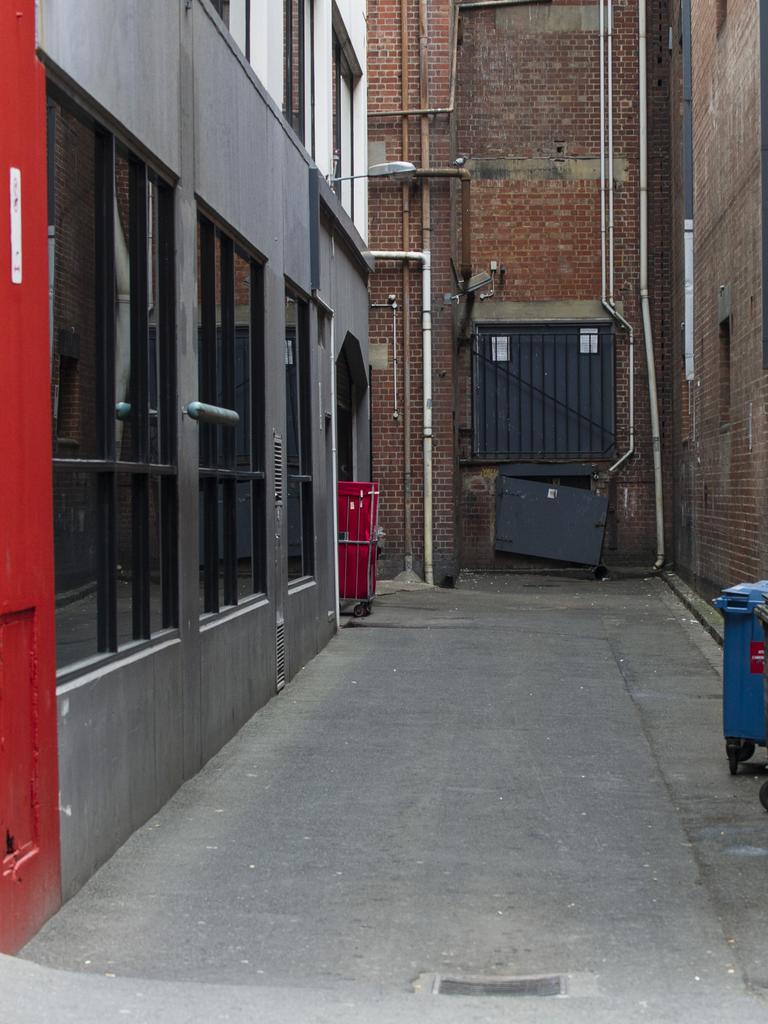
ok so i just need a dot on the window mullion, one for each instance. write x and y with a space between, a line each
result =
105 293
226 435
229 535
257 367
140 541
208 339
169 557
106 590
166 321
211 543
139 316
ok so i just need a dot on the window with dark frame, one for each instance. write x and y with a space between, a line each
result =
112 389
298 435
343 123
294 67
231 375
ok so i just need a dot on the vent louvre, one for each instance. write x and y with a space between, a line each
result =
280 651
277 454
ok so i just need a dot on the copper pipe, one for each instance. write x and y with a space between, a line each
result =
457 8
466 209
424 109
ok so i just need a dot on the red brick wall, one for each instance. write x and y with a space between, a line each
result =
527 89
720 453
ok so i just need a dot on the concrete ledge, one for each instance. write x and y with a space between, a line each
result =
552 168
709 617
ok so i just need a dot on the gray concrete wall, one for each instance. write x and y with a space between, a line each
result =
126 57
121 753
171 84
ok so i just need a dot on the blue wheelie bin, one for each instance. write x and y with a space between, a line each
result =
743 660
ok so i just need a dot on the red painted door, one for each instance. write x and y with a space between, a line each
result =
29 834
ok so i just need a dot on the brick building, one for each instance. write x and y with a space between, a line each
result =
719 365
531 374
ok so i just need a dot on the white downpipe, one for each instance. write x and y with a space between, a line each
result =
603 290
611 273
395 413
426 341
426 334
631 331
644 301
610 306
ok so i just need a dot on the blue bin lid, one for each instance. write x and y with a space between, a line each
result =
749 594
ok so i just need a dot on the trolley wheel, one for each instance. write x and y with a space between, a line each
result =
358 611
764 795
746 750
367 608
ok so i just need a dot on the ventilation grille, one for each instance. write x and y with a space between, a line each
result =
277 453
280 650
547 985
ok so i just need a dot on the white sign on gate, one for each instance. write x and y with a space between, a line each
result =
15 225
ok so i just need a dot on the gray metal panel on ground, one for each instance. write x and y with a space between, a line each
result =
549 522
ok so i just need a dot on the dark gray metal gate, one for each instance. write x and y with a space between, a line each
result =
549 520
543 391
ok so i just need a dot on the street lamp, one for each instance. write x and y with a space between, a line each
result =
390 169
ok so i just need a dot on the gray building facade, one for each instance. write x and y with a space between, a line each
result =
197 255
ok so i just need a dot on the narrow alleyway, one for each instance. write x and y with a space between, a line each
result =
521 777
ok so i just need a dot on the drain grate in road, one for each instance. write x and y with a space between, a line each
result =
544 985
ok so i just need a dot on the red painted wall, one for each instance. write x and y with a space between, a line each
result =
29 834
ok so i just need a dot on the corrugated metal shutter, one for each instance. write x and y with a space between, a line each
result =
543 391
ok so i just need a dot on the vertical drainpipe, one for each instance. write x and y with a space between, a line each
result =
426 330
763 14
688 190
335 476
426 305
644 297
406 243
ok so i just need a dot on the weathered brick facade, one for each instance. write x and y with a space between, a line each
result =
527 119
719 430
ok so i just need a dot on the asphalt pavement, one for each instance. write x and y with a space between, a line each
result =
504 802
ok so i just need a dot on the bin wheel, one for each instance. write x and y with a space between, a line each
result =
358 611
746 750
367 608
764 795
738 751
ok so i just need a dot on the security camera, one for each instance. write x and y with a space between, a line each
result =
477 281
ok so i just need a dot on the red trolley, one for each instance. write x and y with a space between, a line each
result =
358 505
